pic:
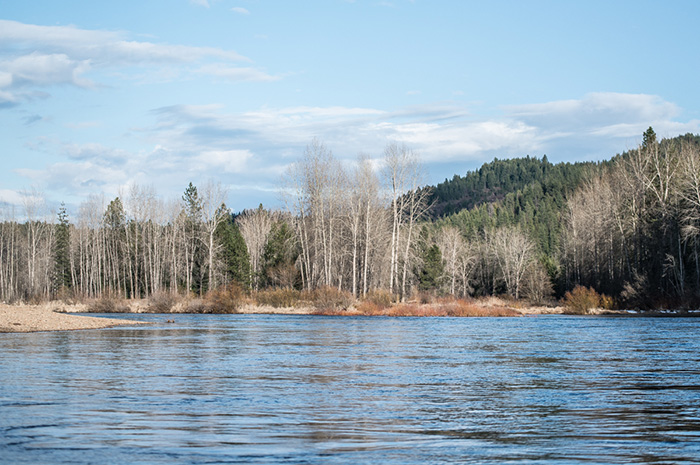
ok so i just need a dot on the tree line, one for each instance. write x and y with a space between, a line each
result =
628 227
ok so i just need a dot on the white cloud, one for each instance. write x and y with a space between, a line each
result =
204 3
249 150
595 111
230 161
10 197
240 10
40 56
236 73
42 69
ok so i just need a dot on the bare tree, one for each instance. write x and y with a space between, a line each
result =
315 187
213 199
403 176
256 226
453 248
513 253
363 214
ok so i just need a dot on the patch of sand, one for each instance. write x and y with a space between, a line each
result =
31 318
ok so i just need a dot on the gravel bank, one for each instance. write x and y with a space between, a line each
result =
30 318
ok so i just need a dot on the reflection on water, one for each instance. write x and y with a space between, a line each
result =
276 389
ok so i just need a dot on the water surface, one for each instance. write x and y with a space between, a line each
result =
303 389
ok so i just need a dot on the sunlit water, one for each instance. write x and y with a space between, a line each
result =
324 390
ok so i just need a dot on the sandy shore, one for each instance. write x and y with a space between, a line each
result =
30 318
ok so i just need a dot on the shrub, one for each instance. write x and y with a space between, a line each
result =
226 299
464 308
581 300
67 296
369 308
278 298
606 302
426 297
331 298
161 302
380 298
196 305
107 304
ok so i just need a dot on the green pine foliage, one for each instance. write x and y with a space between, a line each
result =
527 192
279 258
62 276
234 254
430 275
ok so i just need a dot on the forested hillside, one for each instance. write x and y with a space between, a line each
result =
528 192
495 180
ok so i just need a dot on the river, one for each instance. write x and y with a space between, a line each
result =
215 389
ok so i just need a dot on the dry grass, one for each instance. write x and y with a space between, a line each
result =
278 298
442 307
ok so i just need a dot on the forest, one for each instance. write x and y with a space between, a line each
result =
525 228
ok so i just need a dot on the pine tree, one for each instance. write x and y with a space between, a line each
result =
62 271
234 254
430 276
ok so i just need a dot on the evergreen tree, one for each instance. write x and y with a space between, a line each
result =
62 271
194 252
430 276
281 253
233 255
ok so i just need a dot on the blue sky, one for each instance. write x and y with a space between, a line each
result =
97 96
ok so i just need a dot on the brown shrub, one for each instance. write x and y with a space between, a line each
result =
380 298
416 310
581 300
107 304
425 297
226 299
331 298
197 305
465 308
278 298
370 308
161 302
67 296
607 302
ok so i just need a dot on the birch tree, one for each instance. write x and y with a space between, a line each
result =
513 253
403 176
214 213
255 226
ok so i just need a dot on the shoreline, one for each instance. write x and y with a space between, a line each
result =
59 316
53 317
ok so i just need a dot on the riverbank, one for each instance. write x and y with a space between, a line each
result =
60 316
52 317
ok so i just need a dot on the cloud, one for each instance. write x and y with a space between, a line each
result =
29 120
240 10
596 111
236 73
44 69
248 151
204 3
10 198
35 57
228 161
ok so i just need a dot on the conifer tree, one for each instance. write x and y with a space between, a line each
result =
62 271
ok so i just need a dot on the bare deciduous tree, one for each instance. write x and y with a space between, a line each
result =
255 226
513 253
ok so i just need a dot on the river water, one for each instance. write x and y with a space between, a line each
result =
212 389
